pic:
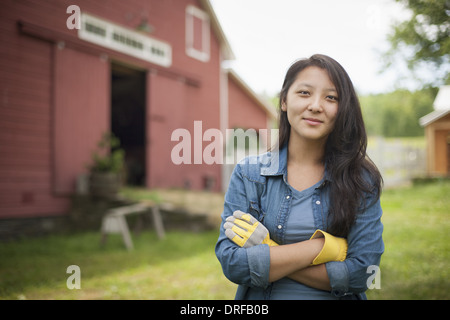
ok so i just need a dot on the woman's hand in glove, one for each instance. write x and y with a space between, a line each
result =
244 230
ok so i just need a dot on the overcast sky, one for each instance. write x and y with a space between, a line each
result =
268 35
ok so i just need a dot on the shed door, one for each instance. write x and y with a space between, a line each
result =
81 113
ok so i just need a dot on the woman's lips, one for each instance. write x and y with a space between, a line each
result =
313 122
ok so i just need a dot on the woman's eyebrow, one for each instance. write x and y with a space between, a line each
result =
304 84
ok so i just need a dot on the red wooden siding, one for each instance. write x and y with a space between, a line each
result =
82 113
25 123
55 98
168 111
244 112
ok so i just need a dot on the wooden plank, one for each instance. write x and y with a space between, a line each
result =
115 222
157 220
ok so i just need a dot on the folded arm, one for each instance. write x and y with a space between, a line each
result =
302 261
294 261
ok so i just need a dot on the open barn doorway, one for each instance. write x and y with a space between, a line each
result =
128 119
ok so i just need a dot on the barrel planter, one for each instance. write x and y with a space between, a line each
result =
105 185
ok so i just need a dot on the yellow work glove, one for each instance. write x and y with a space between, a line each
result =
244 230
334 248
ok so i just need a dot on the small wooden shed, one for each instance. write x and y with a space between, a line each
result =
437 133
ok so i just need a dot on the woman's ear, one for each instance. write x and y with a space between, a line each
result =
283 106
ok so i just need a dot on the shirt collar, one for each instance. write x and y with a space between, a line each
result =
275 164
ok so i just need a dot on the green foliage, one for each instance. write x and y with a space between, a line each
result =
109 157
424 38
397 114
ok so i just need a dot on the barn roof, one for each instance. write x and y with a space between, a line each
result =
229 55
225 45
263 103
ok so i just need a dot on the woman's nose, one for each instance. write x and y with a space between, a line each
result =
315 106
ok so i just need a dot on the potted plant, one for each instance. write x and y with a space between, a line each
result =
107 167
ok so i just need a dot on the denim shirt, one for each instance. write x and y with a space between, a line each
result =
259 186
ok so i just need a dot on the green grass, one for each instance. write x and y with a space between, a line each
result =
415 264
184 266
181 266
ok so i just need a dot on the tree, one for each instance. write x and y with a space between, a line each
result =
424 40
397 113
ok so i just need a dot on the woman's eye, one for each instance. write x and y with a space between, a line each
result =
303 92
333 98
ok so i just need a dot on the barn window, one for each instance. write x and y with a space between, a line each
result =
197 34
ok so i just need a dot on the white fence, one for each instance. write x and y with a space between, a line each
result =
398 160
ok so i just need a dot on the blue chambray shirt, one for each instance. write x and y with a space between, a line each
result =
259 186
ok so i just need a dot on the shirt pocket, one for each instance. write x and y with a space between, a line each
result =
256 211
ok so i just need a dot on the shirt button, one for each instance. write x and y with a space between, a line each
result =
279 226
287 197
317 202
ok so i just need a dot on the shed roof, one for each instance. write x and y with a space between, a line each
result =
433 116
441 107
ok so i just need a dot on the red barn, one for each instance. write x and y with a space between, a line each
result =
140 69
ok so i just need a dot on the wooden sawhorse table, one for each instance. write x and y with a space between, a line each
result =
115 221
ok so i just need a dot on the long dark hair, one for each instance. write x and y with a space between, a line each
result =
352 173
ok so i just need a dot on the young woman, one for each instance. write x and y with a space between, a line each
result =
318 181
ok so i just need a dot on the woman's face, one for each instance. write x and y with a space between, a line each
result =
311 104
